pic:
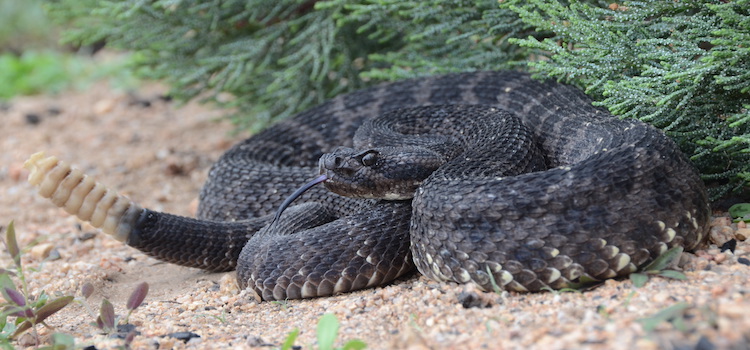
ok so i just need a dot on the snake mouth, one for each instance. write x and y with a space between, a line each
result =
296 194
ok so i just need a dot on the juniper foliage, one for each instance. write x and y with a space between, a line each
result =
683 66
680 65
436 36
272 58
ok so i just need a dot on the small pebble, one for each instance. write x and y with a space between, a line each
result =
721 221
105 106
53 111
718 291
27 339
42 251
228 284
473 299
742 233
33 119
719 258
15 171
184 336
721 234
86 236
743 261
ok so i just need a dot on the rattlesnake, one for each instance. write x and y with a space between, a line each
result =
552 192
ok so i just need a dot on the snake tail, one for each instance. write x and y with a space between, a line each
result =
171 238
78 194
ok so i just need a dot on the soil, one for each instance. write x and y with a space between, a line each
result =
158 153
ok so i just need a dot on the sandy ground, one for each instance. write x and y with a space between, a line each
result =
158 154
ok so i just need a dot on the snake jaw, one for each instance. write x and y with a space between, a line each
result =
378 173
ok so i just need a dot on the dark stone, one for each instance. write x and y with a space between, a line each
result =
744 261
704 344
125 330
472 299
184 336
729 245
86 236
33 119
53 111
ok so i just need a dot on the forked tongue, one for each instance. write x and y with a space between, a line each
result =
296 194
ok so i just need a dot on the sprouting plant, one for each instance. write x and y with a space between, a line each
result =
673 314
28 310
221 318
657 268
561 290
283 304
328 331
61 341
495 287
107 320
290 339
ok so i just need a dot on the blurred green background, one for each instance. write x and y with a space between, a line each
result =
32 60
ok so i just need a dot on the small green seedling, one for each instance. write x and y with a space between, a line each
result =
327 332
674 314
495 287
28 311
657 268
107 320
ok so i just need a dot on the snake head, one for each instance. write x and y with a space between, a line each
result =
391 173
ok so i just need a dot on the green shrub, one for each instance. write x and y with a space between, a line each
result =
680 65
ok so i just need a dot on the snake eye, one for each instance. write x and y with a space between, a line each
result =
369 158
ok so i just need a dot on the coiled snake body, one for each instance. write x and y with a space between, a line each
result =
515 181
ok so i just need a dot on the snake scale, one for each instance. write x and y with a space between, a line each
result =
515 181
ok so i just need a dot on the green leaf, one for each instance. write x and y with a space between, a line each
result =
8 329
495 287
290 339
740 212
355 344
12 244
673 274
673 312
587 280
41 300
138 295
107 315
61 341
87 289
328 329
6 284
14 296
52 307
23 327
65 340
664 260
638 279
